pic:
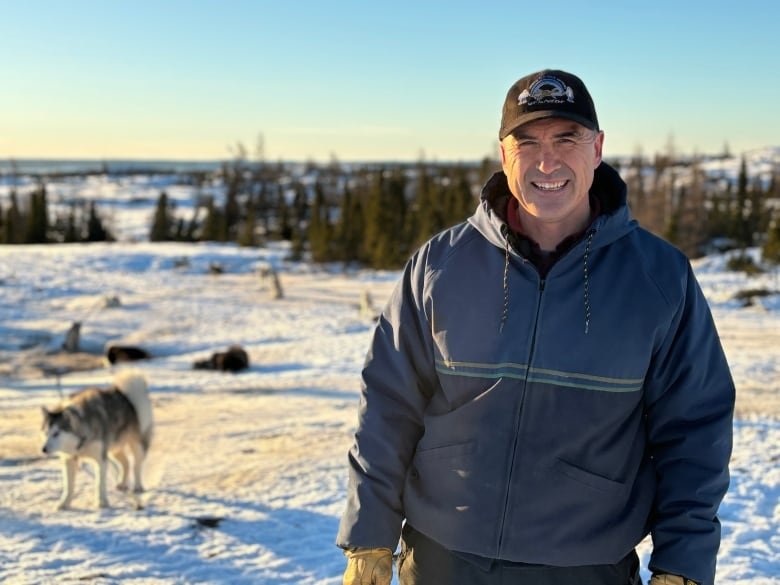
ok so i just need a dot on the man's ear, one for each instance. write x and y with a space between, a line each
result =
598 145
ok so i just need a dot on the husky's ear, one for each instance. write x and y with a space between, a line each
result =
46 420
49 415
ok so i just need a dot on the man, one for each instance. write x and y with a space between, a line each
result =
546 385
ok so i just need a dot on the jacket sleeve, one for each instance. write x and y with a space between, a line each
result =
689 406
397 380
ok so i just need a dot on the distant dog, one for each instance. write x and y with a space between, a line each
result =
126 353
96 424
233 360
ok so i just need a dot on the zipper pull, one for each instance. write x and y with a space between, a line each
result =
541 284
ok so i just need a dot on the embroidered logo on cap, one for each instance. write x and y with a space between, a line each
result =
546 90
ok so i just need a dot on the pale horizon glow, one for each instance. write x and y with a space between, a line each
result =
374 81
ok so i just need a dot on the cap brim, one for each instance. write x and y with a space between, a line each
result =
541 115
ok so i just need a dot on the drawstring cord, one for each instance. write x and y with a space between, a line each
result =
586 279
586 285
505 312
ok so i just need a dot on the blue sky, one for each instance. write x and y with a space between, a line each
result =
374 80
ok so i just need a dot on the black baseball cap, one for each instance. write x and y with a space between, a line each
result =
550 93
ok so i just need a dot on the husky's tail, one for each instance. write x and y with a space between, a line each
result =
133 385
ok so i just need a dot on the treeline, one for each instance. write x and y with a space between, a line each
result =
373 215
701 213
28 222
377 215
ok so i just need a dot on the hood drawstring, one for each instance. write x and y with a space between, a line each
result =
505 312
585 269
586 284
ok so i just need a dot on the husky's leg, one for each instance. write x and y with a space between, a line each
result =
68 482
138 463
119 456
101 497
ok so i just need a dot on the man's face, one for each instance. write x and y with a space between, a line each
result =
549 166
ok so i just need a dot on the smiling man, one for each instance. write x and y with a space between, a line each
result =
545 386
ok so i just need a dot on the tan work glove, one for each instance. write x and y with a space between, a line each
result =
671 580
368 566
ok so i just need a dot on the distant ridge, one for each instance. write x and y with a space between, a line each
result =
42 166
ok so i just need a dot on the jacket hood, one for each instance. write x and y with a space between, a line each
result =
614 221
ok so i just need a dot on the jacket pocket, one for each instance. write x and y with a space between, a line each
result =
596 482
446 451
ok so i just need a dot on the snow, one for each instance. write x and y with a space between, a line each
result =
262 453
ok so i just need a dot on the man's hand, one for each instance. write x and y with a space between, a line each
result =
368 566
671 580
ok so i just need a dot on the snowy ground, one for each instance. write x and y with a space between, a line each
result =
264 450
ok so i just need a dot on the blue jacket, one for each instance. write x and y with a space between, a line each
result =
553 421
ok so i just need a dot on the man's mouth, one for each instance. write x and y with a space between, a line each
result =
549 185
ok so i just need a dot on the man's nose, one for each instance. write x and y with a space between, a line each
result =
549 161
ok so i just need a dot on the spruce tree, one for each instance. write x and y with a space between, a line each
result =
386 246
320 231
460 198
428 206
71 233
742 231
771 249
283 220
350 230
96 232
246 235
14 233
214 224
36 223
162 224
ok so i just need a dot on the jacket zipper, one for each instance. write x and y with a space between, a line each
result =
520 412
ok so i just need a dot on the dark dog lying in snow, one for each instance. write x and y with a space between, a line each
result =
126 353
232 360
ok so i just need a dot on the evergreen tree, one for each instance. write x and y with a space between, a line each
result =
385 217
36 223
718 217
758 218
429 216
246 236
71 233
284 228
350 227
162 224
460 198
298 222
690 222
13 222
297 243
771 248
320 230
96 232
232 213
742 231
214 229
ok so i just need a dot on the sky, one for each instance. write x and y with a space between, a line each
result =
358 80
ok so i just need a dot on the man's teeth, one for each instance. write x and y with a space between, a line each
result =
550 186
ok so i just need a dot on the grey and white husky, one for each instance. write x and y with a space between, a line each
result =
98 423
